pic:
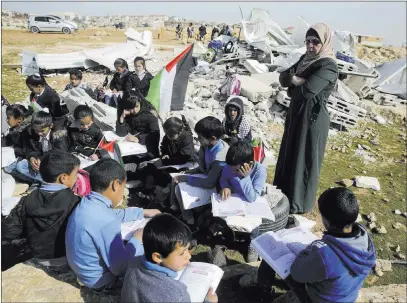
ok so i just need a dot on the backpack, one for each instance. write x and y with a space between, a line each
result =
82 184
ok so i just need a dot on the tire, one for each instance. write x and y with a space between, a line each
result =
281 211
35 30
66 30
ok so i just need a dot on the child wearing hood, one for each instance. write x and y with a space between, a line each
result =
235 123
333 269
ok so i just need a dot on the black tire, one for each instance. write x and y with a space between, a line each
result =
66 30
35 30
281 211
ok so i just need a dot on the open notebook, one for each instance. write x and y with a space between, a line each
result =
128 228
199 278
279 249
236 206
127 148
193 196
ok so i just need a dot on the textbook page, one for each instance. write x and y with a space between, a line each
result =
259 209
231 207
111 136
128 228
279 249
128 148
188 165
199 277
193 196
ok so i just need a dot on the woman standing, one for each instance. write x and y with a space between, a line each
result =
310 82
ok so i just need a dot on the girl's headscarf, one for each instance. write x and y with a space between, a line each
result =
325 35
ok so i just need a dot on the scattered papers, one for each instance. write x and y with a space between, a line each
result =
128 228
236 206
8 204
279 249
193 196
7 156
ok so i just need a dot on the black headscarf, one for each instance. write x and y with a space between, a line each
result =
232 126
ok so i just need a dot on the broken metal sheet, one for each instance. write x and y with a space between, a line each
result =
138 44
300 30
399 90
344 41
393 77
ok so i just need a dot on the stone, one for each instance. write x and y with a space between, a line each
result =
248 280
379 273
359 219
386 200
396 248
262 117
404 214
381 230
397 225
397 212
364 172
372 217
383 265
371 225
400 256
368 182
346 182
254 90
262 106
379 119
365 147
387 293
268 78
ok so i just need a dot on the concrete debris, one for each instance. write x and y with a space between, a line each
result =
371 225
397 212
400 256
380 229
368 182
346 182
380 119
359 219
372 217
254 90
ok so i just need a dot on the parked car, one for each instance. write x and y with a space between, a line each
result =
50 23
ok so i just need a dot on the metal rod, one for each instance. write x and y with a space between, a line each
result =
358 74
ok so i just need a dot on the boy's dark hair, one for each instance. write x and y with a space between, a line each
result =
339 207
56 163
18 111
82 111
35 80
75 72
41 120
174 125
239 153
209 127
143 61
161 235
104 172
120 63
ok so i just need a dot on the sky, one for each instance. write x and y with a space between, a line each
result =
386 19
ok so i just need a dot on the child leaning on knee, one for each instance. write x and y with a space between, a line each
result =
86 134
75 79
151 277
333 269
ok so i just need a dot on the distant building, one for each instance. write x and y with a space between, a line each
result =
368 40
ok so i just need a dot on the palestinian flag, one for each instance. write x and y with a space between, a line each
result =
110 149
169 86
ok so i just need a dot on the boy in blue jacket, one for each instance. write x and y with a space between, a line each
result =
333 269
245 177
94 245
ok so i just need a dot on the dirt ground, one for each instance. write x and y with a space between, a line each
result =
389 169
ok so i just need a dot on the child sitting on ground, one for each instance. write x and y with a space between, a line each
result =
211 160
141 77
75 77
332 269
94 245
136 120
120 83
245 177
43 96
18 119
86 134
41 216
150 278
235 123
38 139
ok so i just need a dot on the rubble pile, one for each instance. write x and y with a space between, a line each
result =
380 54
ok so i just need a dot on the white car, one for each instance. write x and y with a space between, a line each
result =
50 23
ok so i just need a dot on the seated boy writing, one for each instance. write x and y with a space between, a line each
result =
86 134
245 177
40 138
94 245
211 160
151 278
41 217
333 269
75 77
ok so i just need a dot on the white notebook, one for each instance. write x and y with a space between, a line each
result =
199 278
279 249
128 228
236 206
193 196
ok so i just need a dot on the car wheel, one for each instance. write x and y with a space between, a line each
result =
66 30
35 30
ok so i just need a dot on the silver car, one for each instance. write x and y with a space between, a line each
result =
50 23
